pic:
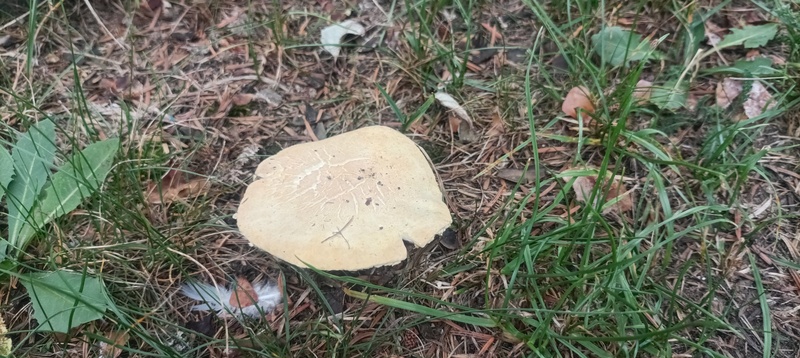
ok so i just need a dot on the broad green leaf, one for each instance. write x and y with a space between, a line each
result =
617 46
64 299
6 170
79 178
6 174
33 155
670 96
758 66
750 36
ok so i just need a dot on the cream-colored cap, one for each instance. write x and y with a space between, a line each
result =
344 203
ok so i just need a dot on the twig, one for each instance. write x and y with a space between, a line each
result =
97 18
340 232
16 20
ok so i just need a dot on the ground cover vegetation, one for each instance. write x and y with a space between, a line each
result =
622 175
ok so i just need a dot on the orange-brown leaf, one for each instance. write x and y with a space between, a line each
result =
113 348
577 98
727 91
618 190
174 187
498 127
242 99
244 295
584 185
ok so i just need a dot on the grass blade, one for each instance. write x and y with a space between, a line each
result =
765 313
413 307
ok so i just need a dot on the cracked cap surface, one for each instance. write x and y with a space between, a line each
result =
344 203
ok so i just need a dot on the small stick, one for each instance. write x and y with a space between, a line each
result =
340 232
102 25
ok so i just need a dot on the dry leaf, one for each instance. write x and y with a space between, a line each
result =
618 191
244 295
242 99
450 102
498 127
114 85
643 90
331 36
713 32
468 134
727 91
691 102
174 187
455 123
584 185
269 96
117 339
777 60
578 97
757 100
517 175
236 12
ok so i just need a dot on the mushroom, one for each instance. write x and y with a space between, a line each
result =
344 203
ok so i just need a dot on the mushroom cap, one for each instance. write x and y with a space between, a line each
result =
344 203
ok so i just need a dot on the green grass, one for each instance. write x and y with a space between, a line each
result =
541 275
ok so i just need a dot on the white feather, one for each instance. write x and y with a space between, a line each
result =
331 36
218 299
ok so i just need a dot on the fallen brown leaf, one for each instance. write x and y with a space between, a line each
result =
468 134
454 122
498 127
174 188
584 185
117 339
618 190
578 97
244 295
727 91
232 18
757 100
242 99
114 85
713 33
517 175
777 60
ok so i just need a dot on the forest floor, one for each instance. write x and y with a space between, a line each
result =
688 130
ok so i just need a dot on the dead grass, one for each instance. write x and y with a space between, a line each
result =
211 88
